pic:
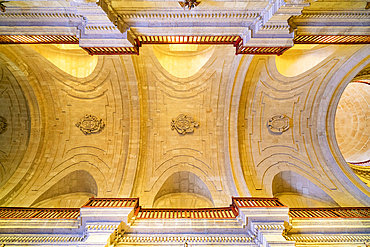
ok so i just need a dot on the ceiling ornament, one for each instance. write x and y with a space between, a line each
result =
278 123
2 6
3 124
184 124
189 4
90 124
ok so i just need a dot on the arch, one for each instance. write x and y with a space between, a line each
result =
33 96
294 190
283 166
84 162
330 153
352 122
186 190
76 183
185 167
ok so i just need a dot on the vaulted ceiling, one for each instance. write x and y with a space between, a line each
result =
183 124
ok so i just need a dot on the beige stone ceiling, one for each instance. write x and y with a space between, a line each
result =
266 126
352 126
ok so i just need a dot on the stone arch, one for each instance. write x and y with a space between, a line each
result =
183 189
352 122
217 196
283 166
85 162
74 188
294 190
326 109
32 95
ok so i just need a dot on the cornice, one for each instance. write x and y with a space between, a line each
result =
329 238
40 239
101 28
39 15
338 15
197 15
193 239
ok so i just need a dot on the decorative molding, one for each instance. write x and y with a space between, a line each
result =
361 171
38 39
39 15
40 239
279 123
111 50
179 39
101 227
189 4
275 27
332 39
182 15
334 15
344 212
326 238
39 213
184 124
90 124
364 72
195 239
101 28
261 50
2 6
3 124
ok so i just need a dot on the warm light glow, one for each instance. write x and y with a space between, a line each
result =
68 46
183 60
301 58
183 47
68 57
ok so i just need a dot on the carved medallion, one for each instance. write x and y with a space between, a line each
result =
278 123
3 124
184 124
189 4
90 124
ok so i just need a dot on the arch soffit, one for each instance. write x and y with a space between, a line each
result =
272 71
33 96
278 167
178 167
238 75
327 107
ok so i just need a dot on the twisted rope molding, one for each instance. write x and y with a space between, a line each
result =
40 15
40 239
333 238
181 15
185 239
358 15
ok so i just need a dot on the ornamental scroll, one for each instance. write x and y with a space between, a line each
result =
278 123
184 124
3 124
90 124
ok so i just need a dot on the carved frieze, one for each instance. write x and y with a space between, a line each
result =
3 124
278 123
90 124
184 124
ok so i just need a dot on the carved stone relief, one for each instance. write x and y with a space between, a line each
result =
3 124
278 123
90 124
184 124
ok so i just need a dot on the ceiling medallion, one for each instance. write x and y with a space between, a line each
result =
3 124
184 124
278 123
189 4
90 124
2 6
